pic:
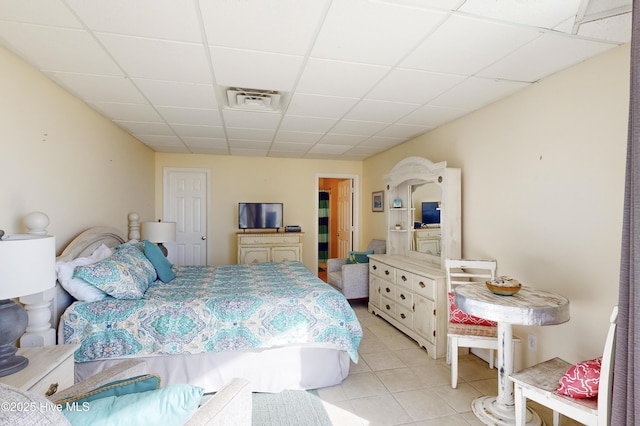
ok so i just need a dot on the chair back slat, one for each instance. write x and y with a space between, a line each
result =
605 387
464 271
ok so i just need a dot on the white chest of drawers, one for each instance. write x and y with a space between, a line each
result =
411 297
274 247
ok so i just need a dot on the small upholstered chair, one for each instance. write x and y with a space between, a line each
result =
465 330
540 383
352 279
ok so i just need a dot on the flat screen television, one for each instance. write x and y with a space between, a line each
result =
430 213
259 215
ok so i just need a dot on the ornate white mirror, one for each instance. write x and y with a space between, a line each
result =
423 210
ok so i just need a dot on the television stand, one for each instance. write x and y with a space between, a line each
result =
269 247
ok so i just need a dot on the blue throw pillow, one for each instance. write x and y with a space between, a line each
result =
359 256
173 405
159 261
136 384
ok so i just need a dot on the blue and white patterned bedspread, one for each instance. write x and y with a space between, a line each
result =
214 309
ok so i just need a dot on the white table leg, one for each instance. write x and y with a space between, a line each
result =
500 410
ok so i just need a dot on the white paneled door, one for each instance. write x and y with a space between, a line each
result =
185 202
345 237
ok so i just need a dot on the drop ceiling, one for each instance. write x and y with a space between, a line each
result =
350 78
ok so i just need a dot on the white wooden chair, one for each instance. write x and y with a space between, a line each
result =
461 272
540 382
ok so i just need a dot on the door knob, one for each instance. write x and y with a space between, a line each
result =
204 237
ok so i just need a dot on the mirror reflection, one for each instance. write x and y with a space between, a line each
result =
425 201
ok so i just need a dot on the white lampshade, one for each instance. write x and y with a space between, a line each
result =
158 232
27 264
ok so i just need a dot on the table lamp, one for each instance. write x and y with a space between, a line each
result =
27 266
159 232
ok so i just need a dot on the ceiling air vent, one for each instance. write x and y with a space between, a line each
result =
253 99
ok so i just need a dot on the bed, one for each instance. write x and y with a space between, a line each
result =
274 324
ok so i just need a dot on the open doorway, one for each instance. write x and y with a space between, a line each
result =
335 218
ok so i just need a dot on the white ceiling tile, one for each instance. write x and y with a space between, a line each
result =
329 149
94 88
284 154
372 33
411 86
550 53
617 29
430 115
285 136
404 131
177 94
320 106
249 144
285 26
140 128
476 92
158 59
338 78
46 12
290 147
381 142
464 45
384 112
252 119
169 149
233 67
307 124
538 13
337 139
193 142
251 134
196 116
130 112
161 140
41 46
165 19
355 127
209 151
198 131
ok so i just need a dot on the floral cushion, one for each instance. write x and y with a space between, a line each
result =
581 380
124 275
457 316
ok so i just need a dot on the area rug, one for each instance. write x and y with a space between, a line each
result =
289 408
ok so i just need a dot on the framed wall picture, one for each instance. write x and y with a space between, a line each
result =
377 201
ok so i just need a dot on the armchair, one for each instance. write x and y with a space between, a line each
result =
352 279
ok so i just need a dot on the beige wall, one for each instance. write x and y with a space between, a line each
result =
60 157
293 182
542 185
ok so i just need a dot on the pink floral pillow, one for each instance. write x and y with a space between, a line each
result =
581 380
458 316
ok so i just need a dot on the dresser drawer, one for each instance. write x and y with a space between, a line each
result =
388 306
425 286
59 378
257 239
404 315
387 290
404 297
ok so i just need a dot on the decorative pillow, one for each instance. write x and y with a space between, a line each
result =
125 275
136 384
45 414
581 380
77 287
458 316
159 261
359 256
172 405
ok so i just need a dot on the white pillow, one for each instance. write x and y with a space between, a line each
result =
77 287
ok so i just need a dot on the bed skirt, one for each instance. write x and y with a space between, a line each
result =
270 370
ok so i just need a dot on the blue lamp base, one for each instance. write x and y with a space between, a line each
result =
13 323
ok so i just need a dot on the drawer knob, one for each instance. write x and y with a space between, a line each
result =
402 297
421 284
404 278
403 316
374 267
388 290
388 307
386 272
52 389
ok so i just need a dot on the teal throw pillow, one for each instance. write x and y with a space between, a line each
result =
359 256
124 275
159 261
136 384
172 405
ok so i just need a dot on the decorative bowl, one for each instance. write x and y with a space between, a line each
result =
504 286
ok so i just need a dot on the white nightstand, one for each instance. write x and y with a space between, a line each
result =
50 369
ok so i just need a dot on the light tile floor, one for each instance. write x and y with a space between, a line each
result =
397 383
